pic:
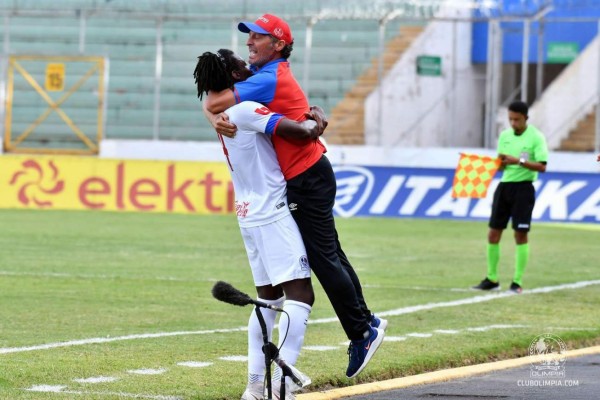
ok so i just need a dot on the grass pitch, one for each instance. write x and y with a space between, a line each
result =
98 305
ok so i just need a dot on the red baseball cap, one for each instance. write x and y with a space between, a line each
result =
269 24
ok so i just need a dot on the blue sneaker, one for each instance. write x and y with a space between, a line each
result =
377 322
361 351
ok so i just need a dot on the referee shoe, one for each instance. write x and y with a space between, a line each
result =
486 284
516 288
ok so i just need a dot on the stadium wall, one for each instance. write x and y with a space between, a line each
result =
191 177
400 156
567 21
420 110
401 182
569 98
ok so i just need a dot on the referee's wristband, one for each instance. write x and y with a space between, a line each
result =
522 162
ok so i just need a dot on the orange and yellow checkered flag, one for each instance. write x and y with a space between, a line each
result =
473 175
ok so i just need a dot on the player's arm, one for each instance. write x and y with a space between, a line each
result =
218 119
217 102
317 114
308 129
539 166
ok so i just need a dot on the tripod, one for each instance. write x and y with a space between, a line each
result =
272 354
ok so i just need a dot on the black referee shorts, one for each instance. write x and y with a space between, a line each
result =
513 200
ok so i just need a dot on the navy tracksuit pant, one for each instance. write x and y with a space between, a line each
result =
311 196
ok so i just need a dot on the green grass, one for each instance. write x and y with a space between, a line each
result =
68 276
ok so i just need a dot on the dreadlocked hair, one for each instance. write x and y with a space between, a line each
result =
213 71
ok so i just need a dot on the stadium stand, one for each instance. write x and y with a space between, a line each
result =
344 47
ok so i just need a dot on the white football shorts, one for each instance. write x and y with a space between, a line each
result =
276 252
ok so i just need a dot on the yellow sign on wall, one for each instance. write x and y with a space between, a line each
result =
82 183
55 77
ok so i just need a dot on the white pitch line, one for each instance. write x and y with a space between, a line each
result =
490 327
103 277
572 225
420 335
82 342
148 371
61 389
234 358
399 311
96 379
194 364
422 288
47 388
394 339
468 300
447 331
119 394
320 348
484 298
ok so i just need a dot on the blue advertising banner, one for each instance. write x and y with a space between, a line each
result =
426 193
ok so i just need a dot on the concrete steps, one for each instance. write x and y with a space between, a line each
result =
346 122
582 138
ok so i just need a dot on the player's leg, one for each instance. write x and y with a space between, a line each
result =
493 253
270 295
287 265
521 223
497 223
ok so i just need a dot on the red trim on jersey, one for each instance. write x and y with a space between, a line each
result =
276 126
225 151
236 95
294 155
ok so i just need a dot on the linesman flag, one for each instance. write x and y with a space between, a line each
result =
473 175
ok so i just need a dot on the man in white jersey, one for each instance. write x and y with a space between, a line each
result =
273 242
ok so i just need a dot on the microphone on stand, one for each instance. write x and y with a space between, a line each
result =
297 377
223 291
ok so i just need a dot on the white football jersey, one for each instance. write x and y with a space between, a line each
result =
260 189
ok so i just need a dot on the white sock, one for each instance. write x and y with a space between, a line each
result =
298 318
256 357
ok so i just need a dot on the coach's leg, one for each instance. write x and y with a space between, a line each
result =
313 193
355 281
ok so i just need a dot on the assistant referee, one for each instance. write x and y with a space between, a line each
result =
523 152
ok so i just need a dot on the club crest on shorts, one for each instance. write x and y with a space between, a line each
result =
304 263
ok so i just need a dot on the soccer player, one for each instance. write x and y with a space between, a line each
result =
523 152
310 179
273 242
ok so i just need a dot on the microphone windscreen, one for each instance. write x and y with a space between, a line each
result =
223 291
